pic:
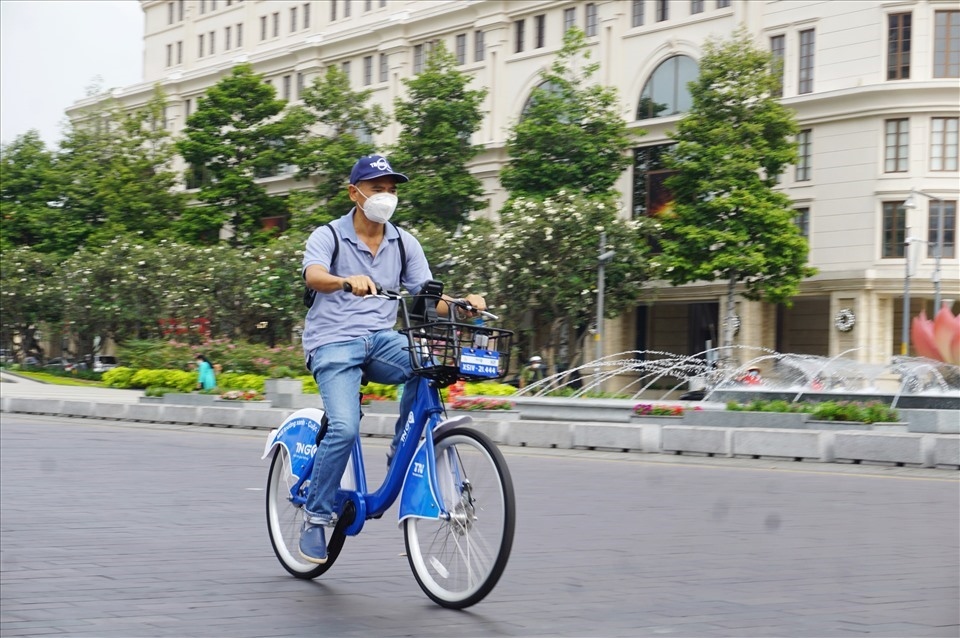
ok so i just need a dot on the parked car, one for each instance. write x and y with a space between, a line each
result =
61 363
31 361
103 362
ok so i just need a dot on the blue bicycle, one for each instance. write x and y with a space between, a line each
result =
457 505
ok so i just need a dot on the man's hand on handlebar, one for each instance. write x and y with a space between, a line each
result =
359 285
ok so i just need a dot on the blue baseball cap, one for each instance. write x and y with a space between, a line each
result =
372 167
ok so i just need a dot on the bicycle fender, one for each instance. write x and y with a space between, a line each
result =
298 436
418 497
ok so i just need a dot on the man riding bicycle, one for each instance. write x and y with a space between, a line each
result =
347 338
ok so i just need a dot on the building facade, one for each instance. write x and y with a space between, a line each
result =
874 84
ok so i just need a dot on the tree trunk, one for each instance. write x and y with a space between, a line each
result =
729 328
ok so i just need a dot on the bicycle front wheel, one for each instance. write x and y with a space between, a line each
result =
284 521
458 561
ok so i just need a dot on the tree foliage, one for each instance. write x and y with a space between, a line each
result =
29 295
437 121
727 221
346 122
27 192
572 134
239 133
546 260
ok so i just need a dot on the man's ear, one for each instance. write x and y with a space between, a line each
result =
352 193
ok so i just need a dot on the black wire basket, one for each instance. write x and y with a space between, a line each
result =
447 351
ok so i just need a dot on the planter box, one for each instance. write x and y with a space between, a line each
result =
656 420
487 415
737 419
222 403
192 398
838 426
283 386
381 407
555 409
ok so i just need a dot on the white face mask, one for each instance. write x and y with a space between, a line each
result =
379 207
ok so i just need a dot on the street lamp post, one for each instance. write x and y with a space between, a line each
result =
910 204
602 260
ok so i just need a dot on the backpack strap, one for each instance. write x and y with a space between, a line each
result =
309 294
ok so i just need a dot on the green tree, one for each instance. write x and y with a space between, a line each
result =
437 121
727 221
28 290
571 135
115 172
28 192
238 134
346 122
546 261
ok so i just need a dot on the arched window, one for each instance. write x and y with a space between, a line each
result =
666 92
548 86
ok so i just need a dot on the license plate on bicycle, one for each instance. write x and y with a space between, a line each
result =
480 363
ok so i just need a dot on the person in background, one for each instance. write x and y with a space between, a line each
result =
206 379
532 372
752 377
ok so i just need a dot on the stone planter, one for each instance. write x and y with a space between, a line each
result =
151 400
656 420
738 419
283 386
381 407
233 403
192 398
555 409
838 425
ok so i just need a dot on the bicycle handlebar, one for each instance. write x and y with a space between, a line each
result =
396 296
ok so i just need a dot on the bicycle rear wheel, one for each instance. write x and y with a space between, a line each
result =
457 562
284 521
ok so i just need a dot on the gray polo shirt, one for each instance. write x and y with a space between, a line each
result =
342 316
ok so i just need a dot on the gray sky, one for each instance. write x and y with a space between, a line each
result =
51 50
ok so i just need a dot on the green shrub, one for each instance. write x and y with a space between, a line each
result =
873 412
117 377
158 391
281 372
489 389
235 381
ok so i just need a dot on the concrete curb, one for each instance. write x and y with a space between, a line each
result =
923 450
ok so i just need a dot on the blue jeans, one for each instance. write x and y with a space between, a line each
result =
337 368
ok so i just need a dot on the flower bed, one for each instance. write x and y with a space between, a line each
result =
652 409
242 395
480 403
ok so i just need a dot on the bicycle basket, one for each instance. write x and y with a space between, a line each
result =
447 351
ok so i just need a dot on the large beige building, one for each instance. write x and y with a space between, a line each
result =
874 84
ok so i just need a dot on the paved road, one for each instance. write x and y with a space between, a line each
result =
114 529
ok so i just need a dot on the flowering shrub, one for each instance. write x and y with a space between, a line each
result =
370 398
241 395
650 409
481 403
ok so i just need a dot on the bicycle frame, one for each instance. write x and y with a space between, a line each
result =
411 476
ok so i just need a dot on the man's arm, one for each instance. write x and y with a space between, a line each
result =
317 278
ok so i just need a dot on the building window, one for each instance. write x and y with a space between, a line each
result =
186 108
949 229
213 5
226 38
722 4
293 19
591 28
898 46
263 28
803 155
894 229
179 51
540 31
946 44
333 11
662 11
943 143
896 144
518 28
345 67
368 70
346 8
418 58
806 61
461 48
696 6
306 16
666 92
180 10
636 14
170 13
239 34
801 218
649 169
569 18
169 55
777 50
299 85
286 87
276 24
368 5
212 47
203 6
479 49
200 46
383 67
